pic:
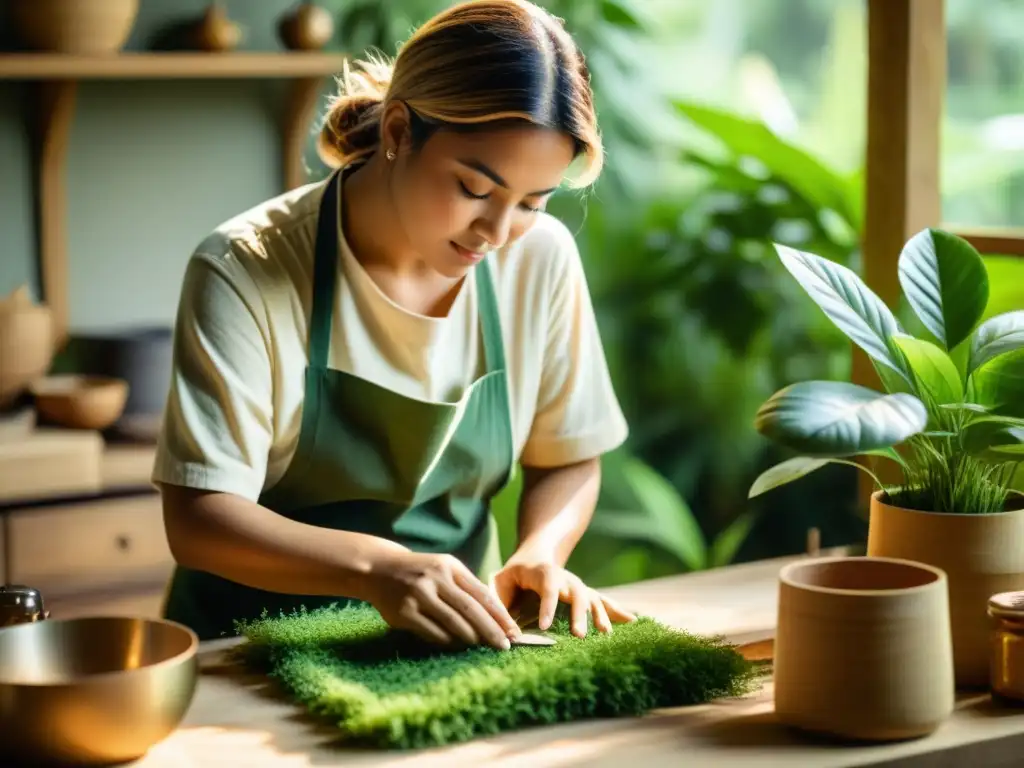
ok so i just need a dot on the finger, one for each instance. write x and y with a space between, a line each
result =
616 612
470 610
505 588
424 628
580 606
488 600
450 616
597 610
549 595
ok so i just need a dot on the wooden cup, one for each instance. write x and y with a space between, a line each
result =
863 648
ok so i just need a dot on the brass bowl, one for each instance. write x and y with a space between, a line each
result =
93 691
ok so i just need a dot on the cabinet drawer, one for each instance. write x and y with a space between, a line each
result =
88 546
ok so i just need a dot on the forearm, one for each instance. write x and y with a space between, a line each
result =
555 508
240 540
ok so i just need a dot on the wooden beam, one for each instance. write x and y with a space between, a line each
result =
906 91
993 241
303 94
55 109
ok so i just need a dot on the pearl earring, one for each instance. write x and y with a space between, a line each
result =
390 154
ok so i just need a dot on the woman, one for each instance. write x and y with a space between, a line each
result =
359 363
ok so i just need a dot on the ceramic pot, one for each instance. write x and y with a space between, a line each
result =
215 32
26 345
90 27
982 555
307 28
863 648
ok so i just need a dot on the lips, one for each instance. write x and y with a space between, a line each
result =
467 254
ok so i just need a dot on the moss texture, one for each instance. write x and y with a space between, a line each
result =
386 689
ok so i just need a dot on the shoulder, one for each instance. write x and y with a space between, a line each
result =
549 243
264 241
542 260
255 262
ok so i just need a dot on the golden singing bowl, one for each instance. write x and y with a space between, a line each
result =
93 691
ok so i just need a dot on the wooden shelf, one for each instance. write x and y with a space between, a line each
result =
55 78
140 66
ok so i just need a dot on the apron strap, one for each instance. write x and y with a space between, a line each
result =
490 318
325 274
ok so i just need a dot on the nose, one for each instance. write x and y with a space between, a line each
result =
495 227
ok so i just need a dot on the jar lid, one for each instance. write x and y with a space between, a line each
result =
1009 605
17 594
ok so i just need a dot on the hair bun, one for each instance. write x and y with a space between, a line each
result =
350 127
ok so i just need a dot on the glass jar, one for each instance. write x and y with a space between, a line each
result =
1007 667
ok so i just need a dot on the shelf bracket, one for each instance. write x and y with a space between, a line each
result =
303 94
54 113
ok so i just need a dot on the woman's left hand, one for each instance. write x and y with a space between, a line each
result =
553 584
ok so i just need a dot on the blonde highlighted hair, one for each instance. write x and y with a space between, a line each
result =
476 63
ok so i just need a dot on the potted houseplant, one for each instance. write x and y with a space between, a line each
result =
950 418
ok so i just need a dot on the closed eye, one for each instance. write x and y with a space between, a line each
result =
466 191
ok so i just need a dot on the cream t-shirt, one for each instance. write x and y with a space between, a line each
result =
234 408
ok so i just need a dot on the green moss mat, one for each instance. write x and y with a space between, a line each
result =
386 689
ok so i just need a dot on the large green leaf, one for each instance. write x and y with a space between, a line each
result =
945 281
835 418
728 542
752 138
934 370
999 334
999 384
785 472
795 468
847 302
621 13
648 508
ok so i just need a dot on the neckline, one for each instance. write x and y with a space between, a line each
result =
329 241
355 269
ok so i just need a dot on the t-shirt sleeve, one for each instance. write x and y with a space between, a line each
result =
578 416
218 420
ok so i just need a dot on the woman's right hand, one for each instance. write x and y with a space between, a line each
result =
439 599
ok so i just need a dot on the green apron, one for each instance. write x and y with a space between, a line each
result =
373 461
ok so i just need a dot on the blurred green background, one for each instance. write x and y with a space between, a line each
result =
728 125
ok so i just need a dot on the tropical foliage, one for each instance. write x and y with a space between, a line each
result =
959 416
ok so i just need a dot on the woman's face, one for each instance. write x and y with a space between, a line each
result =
463 194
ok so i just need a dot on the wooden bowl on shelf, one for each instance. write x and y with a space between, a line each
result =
84 27
80 402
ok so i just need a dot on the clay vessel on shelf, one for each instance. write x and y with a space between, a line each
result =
87 27
863 649
307 28
26 344
215 32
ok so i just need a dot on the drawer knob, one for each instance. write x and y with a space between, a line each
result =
123 543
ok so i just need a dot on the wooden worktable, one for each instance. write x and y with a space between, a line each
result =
236 720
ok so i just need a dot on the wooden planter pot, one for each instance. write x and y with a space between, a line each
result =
981 555
863 648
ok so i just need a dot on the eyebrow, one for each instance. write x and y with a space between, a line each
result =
481 167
